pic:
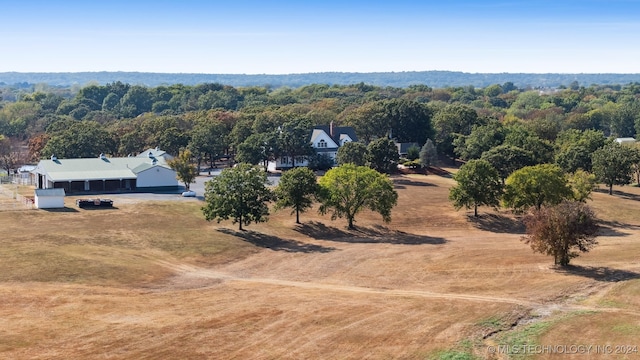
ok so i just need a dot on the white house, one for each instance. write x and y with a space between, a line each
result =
325 139
104 174
49 198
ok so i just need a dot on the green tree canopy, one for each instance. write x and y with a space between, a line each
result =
185 172
409 121
79 139
450 121
518 135
481 139
574 148
297 189
352 153
240 194
534 186
293 140
208 137
478 183
413 152
348 189
582 183
382 155
507 159
369 121
251 151
612 164
562 230
574 157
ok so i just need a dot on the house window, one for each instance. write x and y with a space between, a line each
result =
322 143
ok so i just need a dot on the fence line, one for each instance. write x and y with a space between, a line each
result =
19 199
27 202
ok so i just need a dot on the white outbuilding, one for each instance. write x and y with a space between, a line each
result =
625 140
49 198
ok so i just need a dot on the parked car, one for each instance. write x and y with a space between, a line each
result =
189 193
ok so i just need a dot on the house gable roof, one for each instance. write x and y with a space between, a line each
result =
319 134
338 131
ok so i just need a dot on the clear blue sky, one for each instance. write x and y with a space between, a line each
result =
283 37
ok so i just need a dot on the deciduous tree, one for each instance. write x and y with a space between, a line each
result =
562 231
612 165
79 139
453 120
582 184
382 155
478 183
534 186
352 153
297 189
348 189
293 140
185 171
240 194
507 159
207 138
481 139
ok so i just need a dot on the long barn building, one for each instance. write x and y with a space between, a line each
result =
148 171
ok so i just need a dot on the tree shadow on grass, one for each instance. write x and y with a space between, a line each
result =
365 235
402 183
599 273
497 223
610 228
275 243
620 194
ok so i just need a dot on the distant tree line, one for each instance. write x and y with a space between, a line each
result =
439 79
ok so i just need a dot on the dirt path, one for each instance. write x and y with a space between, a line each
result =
187 271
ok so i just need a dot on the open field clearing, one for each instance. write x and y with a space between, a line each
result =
153 279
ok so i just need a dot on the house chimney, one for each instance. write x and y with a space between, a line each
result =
331 128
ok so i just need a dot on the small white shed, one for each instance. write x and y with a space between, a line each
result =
49 198
626 140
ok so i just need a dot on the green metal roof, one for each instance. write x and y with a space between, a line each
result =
97 168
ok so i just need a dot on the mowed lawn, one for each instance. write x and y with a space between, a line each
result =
153 279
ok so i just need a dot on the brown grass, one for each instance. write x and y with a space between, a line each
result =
150 280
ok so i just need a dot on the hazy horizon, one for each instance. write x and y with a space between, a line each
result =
286 37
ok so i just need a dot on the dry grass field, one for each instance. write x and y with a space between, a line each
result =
154 280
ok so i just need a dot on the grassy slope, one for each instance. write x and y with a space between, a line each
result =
132 282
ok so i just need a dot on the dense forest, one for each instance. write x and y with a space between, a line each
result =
438 79
520 126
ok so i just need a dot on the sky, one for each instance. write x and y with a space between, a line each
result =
308 36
